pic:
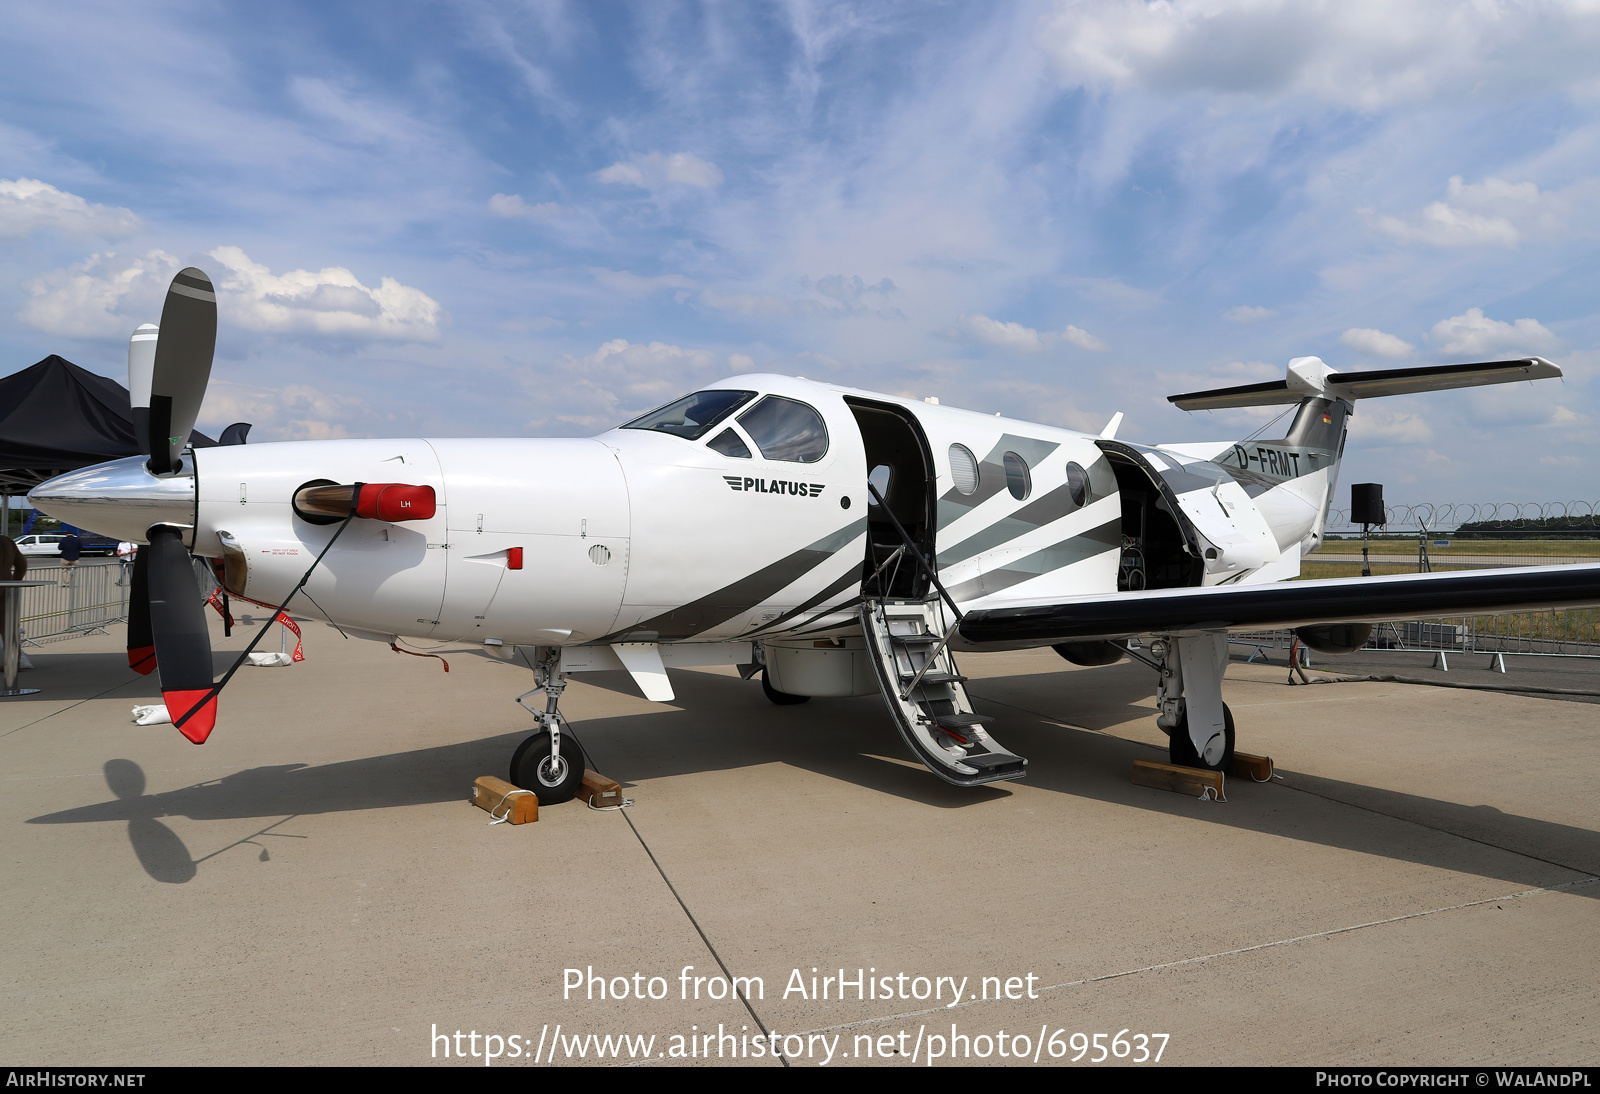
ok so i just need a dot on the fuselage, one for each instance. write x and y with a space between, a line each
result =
640 534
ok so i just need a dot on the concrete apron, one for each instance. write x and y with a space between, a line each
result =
312 887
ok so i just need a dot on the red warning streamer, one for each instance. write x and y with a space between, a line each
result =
299 654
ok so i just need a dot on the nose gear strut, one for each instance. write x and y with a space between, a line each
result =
551 762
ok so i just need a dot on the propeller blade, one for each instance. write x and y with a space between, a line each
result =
141 647
182 641
141 370
182 366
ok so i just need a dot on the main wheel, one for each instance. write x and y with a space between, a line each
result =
1181 750
782 698
554 783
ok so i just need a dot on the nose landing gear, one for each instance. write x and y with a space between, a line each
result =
551 762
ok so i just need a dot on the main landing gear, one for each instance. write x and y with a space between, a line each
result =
551 762
1189 700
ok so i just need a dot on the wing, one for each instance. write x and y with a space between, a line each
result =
1285 604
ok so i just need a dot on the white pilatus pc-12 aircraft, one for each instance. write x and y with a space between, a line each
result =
835 541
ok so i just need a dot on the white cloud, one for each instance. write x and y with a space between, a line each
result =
105 295
652 171
636 285
294 412
28 204
621 380
1082 338
1111 290
1446 226
1497 213
1375 343
1248 313
512 205
329 301
833 296
1015 336
1361 53
1005 335
1377 424
1474 334
109 294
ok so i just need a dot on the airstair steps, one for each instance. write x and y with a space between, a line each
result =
958 721
934 678
927 697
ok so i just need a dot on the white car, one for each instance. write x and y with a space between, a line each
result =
47 544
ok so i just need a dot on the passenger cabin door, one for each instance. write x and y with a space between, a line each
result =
900 468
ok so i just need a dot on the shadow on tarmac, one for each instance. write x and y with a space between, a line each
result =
852 740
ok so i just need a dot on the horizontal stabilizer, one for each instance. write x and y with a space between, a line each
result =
1285 604
1311 380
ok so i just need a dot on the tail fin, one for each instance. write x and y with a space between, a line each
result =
1304 464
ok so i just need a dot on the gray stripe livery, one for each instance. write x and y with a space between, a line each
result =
1068 551
730 601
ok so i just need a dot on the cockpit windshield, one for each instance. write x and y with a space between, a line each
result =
692 416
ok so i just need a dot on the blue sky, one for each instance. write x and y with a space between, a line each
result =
527 219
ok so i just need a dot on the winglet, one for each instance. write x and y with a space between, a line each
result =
1109 433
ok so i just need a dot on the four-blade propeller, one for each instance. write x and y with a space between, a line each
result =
166 616
168 368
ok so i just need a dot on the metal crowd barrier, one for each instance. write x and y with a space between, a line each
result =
1571 634
83 599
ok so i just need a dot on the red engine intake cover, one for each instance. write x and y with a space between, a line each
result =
395 502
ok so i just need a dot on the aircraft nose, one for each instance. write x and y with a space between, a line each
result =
121 498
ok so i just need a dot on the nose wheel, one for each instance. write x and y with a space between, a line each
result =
550 763
555 779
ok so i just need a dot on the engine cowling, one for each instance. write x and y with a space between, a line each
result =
1335 638
1091 654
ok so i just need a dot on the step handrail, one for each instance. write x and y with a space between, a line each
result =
896 553
906 536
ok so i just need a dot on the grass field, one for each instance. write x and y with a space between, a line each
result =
1578 625
1391 545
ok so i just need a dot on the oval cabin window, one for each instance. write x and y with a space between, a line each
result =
1078 486
1017 480
963 469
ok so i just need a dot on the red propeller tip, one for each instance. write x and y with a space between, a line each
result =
142 659
199 727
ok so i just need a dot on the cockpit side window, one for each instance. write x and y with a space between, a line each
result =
785 429
728 443
692 416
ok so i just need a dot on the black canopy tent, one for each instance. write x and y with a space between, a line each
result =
56 417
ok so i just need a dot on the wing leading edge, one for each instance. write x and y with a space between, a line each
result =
1287 604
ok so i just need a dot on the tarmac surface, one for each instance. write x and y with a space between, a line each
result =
311 886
